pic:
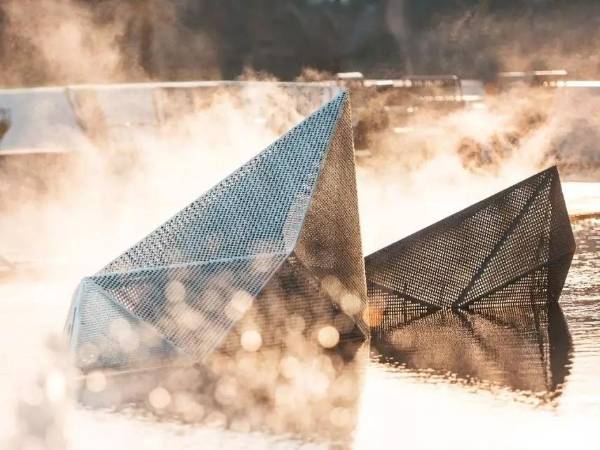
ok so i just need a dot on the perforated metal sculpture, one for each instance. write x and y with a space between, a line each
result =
512 248
263 247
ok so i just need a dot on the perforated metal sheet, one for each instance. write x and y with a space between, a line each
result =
287 218
512 248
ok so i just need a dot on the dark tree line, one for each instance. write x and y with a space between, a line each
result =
186 39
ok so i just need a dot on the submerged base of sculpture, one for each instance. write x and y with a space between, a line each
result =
293 305
522 348
514 248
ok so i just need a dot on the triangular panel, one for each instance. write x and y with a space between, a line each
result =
294 302
103 333
477 253
330 243
188 304
257 209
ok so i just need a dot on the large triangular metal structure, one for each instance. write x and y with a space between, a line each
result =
263 246
512 248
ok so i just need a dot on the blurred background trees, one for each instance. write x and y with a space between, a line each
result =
212 39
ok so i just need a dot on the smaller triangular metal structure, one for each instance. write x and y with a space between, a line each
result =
277 241
512 248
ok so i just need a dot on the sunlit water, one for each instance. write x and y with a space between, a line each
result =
484 383
409 403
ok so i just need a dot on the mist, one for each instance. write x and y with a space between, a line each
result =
131 174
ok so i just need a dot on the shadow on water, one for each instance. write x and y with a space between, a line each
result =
526 349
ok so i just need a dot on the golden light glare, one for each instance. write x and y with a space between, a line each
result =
251 340
328 336
372 316
159 398
175 291
226 391
95 382
289 367
240 303
350 304
56 386
332 286
191 319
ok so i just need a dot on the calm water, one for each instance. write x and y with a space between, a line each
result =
522 379
512 379
504 380
542 355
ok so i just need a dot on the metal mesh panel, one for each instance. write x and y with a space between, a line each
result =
496 251
293 302
108 335
188 304
185 278
257 209
388 309
329 244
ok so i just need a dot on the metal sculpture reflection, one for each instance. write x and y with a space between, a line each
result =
523 348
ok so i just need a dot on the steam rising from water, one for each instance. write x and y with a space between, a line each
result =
110 195
61 40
